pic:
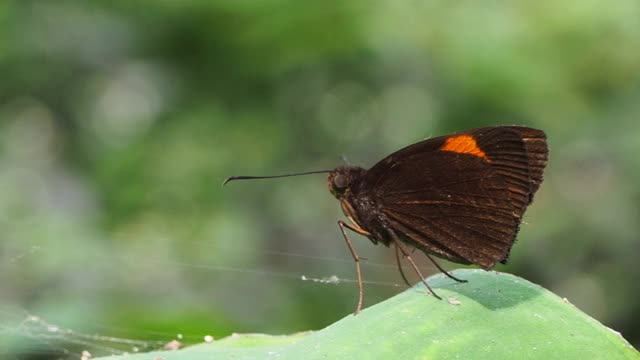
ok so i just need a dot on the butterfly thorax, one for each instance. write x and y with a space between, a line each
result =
358 206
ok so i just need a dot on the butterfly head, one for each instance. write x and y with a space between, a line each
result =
341 179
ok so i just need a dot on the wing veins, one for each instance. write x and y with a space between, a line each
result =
492 245
496 239
444 185
446 202
386 210
456 237
421 232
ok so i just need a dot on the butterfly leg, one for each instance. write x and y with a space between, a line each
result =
444 271
356 258
400 266
413 264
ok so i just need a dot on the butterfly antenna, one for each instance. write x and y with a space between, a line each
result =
232 178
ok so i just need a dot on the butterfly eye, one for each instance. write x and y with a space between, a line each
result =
340 182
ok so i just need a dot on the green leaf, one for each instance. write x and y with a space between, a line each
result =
493 316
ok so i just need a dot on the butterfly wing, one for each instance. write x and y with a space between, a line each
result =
460 197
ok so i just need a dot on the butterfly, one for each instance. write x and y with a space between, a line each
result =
459 197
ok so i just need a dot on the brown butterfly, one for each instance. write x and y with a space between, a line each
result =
459 197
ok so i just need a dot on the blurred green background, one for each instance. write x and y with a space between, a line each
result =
119 120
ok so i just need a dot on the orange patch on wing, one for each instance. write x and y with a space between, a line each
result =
464 144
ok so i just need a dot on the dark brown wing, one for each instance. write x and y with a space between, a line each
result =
452 205
517 153
535 142
507 153
460 196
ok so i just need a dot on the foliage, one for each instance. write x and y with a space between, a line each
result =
494 316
